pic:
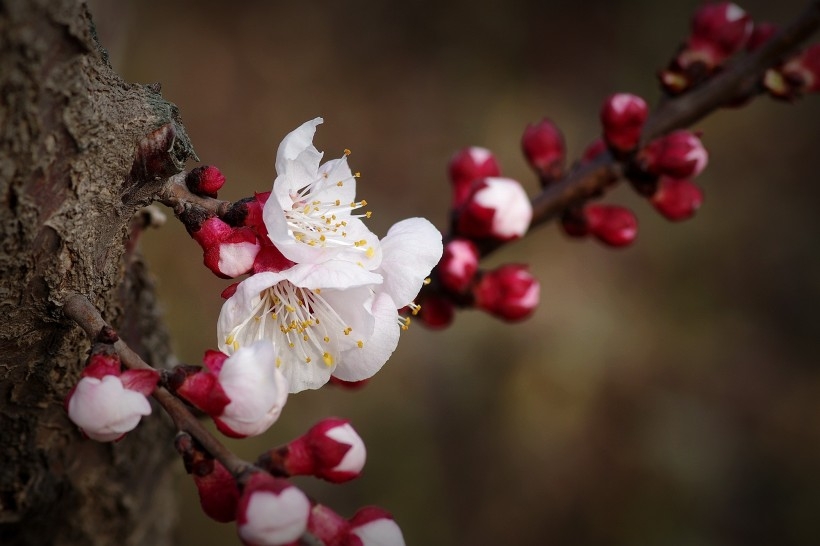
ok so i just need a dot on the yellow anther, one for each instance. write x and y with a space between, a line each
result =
328 359
347 152
322 238
368 214
327 339
362 203
307 359
235 345
357 174
360 344
290 308
428 280
348 330
340 183
291 345
278 362
229 340
370 252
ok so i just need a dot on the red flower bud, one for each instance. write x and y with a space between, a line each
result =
677 199
271 511
218 493
803 71
509 292
623 116
543 146
495 207
679 154
719 31
467 165
458 265
436 312
331 450
205 180
612 225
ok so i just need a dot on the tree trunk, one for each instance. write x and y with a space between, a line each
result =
81 152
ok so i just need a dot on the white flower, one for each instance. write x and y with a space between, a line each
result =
309 216
335 317
256 388
105 409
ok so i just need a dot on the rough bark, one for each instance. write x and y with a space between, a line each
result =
81 152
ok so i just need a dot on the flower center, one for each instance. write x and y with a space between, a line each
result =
318 218
303 325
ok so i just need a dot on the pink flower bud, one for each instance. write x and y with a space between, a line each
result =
803 71
105 408
719 31
679 154
228 251
205 180
218 493
509 292
436 312
497 208
331 450
543 146
467 165
612 225
623 116
458 265
271 512
677 199
375 527
244 393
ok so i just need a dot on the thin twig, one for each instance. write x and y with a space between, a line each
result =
175 194
78 308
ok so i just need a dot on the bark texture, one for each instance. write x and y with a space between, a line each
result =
81 152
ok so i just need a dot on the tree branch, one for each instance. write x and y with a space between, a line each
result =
738 80
78 308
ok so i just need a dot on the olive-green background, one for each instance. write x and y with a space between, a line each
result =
666 394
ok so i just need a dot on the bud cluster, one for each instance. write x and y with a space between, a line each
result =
488 209
270 511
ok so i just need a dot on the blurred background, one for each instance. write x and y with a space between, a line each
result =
665 394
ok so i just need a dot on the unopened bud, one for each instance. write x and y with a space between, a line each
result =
803 71
543 146
497 208
458 265
271 512
375 527
437 312
623 116
228 251
719 31
206 180
612 225
677 199
679 154
218 493
467 165
331 450
509 292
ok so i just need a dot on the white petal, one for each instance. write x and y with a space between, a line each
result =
354 459
334 274
410 250
273 519
104 409
380 532
296 143
361 363
257 389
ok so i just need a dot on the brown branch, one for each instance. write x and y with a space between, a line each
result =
738 80
175 194
78 308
